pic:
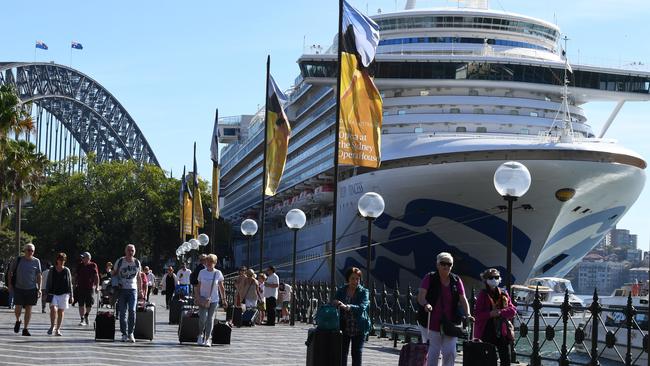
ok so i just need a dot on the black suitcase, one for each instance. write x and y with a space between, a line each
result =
249 317
234 314
479 353
4 296
324 347
105 326
221 333
188 328
145 322
175 308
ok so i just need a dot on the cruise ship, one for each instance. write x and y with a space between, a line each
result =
464 90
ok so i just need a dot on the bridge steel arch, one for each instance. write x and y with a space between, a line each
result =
92 115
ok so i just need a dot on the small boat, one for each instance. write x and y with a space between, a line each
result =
551 290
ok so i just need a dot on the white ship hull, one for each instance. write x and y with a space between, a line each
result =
454 207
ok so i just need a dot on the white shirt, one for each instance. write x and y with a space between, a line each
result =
205 280
184 276
271 291
286 294
151 279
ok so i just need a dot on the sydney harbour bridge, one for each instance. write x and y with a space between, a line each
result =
75 115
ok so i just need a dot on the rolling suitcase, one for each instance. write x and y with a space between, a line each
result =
145 322
188 328
479 353
175 308
105 326
324 347
415 354
249 317
221 333
234 314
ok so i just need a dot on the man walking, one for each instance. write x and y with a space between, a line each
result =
25 281
271 294
194 277
127 269
87 281
151 281
169 282
183 275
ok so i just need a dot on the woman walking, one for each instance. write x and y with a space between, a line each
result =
210 286
59 286
352 299
494 311
251 290
440 296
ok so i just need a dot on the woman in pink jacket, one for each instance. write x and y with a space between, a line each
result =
493 312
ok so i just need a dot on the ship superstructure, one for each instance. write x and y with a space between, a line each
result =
464 90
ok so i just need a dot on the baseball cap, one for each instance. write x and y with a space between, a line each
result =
85 255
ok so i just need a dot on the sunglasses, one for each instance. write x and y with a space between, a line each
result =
493 277
445 264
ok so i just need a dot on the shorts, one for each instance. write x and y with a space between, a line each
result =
60 301
25 297
285 304
261 305
85 297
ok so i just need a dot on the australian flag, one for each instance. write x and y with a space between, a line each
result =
77 45
41 45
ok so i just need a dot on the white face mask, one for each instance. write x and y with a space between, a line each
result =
493 282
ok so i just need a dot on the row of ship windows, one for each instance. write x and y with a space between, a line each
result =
468 22
488 71
479 129
496 42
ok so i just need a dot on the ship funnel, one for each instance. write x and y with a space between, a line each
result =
410 4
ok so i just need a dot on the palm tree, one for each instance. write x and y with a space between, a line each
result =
14 116
25 173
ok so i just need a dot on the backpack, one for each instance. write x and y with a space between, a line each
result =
15 271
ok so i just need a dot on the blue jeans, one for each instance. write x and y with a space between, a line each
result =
357 349
206 320
127 300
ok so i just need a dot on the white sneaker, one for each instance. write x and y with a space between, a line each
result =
82 323
200 341
124 337
131 338
207 343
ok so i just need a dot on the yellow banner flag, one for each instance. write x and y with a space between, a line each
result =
198 213
360 104
187 212
277 138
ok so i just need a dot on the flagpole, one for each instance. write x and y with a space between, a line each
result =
336 153
266 117
214 220
183 207
193 191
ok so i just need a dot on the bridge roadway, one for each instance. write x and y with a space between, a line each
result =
260 345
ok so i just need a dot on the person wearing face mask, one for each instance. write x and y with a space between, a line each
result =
494 311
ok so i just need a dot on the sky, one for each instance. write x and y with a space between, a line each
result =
172 63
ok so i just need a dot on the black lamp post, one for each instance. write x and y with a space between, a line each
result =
249 228
371 206
295 220
511 180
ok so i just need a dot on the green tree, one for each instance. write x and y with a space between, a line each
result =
25 172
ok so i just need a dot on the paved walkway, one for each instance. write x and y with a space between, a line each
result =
279 345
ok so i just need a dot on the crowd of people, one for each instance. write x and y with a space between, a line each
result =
441 296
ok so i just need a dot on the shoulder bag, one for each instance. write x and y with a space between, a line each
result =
204 302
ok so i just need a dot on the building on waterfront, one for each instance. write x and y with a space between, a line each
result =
621 238
604 275
640 274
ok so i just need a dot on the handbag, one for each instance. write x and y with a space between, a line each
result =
204 302
449 328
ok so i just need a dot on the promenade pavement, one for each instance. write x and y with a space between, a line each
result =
260 345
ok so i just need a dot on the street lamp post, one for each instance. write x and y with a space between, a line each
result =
371 206
295 220
511 180
249 228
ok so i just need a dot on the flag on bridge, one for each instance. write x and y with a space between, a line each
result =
360 104
214 155
277 137
41 45
77 45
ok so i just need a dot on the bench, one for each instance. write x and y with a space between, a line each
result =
409 331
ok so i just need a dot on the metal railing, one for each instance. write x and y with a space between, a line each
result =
570 338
